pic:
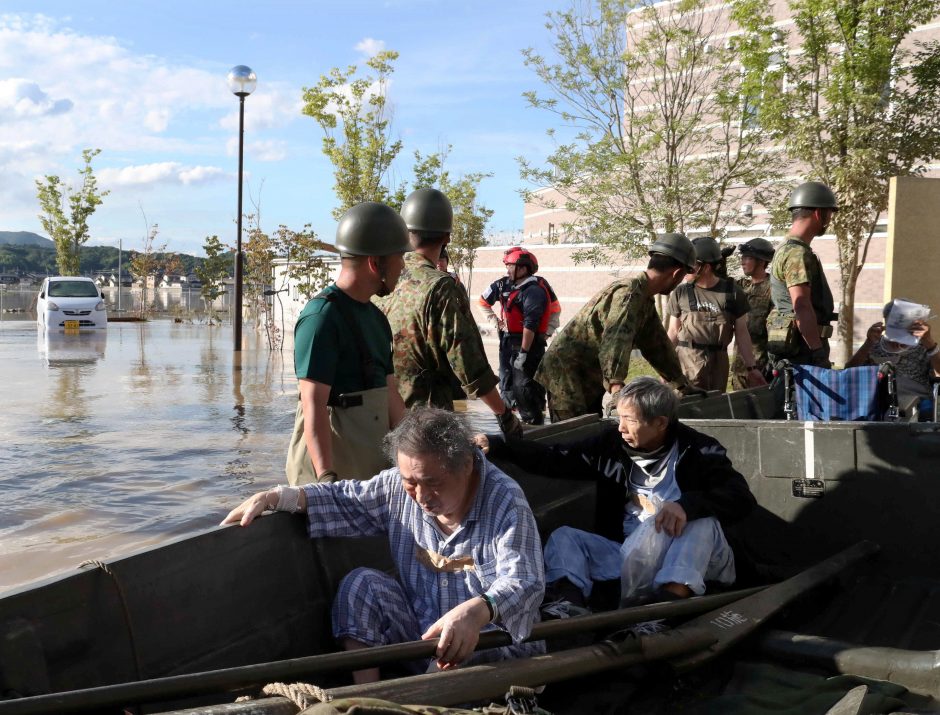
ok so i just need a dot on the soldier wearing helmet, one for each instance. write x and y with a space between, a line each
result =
705 314
529 314
756 255
590 357
349 397
799 326
437 348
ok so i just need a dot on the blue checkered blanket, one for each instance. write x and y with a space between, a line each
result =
824 395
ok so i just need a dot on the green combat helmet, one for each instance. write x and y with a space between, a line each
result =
675 245
759 248
813 195
707 250
371 229
428 211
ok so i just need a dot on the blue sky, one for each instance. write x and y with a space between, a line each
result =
145 82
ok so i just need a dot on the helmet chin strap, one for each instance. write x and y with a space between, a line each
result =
383 288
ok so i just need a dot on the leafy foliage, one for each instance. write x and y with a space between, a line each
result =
470 217
69 232
861 104
213 271
145 265
353 114
659 106
305 260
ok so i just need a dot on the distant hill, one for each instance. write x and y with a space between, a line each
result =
24 238
20 258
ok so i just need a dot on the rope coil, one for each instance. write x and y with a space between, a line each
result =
303 695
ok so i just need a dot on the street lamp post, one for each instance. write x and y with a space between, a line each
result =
242 82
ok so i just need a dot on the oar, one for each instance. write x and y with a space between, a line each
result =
298 668
691 644
492 680
730 625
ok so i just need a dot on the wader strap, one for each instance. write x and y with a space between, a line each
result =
688 292
700 346
366 363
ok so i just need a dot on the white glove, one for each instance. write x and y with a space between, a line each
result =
519 362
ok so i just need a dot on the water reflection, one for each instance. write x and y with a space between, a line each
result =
58 349
71 359
124 438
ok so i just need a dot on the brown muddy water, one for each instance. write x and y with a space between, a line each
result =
118 440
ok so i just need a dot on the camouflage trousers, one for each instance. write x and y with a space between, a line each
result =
739 374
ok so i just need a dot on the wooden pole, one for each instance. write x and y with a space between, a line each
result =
302 668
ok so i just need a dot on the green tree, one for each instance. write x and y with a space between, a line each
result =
145 264
470 216
353 113
659 110
306 262
860 104
65 213
213 272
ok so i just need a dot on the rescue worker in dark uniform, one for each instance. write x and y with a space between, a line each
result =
756 256
348 397
706 314
530 310
799 326
437 349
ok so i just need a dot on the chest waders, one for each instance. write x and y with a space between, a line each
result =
358 423
704 337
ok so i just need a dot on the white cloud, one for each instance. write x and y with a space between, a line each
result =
24 99
157 120
369 46
264 150
84 90
165 172
267 108
201 174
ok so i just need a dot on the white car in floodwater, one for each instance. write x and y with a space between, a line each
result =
70 303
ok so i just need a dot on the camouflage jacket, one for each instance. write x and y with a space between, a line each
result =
758 298
593 349
795 264
436 345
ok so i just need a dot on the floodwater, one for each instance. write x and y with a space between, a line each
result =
121 439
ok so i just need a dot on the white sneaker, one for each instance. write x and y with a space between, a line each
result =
648 628
562 609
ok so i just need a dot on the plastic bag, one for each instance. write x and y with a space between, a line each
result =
642 555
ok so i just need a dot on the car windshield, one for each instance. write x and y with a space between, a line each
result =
72 289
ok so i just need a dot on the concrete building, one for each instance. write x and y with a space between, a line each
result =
891 239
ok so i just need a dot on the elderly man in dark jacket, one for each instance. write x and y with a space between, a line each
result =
665 491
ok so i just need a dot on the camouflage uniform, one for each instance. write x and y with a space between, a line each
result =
593 350
436 346
758 298
795 264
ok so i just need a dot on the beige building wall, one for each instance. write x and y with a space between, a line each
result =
543 223
912 249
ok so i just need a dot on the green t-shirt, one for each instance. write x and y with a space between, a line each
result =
325 347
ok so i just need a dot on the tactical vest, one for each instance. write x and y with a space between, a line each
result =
512 307
820 294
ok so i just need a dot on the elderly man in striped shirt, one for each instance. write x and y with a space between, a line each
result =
461 533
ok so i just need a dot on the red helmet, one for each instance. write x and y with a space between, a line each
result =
521 257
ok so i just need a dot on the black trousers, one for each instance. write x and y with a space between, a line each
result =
528 396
